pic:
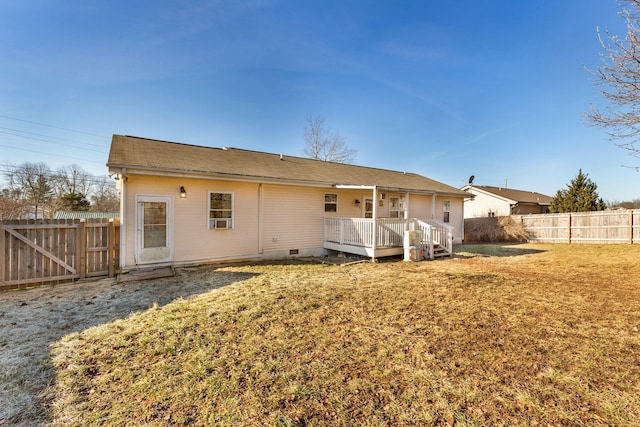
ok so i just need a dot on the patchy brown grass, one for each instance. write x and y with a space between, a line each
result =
31 320
515 335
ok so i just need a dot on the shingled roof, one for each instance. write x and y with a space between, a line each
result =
519 196
169 158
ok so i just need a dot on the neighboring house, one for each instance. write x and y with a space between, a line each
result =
495 201
86 215
186 204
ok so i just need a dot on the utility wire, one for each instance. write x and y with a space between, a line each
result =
48 136
54 127
49 154
50 142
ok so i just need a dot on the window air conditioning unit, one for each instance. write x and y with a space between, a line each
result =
221 224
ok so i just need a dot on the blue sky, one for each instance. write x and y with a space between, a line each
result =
447 89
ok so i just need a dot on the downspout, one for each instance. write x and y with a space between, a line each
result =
260 218
374 214
123 217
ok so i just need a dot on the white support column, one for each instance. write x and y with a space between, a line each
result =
406 205
433 205
374 214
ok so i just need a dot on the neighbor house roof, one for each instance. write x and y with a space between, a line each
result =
514 196
86 215
140 155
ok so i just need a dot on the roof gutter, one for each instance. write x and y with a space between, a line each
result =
398 190
176 173
180 173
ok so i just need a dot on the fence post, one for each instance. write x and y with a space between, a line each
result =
3 258
81 251
569 227
111 252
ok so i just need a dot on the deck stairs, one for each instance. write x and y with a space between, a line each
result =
440 252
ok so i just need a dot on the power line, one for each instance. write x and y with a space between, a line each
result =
49 154
49 142
54 127
47 136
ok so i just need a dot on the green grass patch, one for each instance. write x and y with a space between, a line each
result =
545 335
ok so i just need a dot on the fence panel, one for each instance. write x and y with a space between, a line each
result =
45 251
549 228
583 227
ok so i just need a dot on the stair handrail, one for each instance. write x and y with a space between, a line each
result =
443 234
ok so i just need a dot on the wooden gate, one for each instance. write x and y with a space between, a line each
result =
34 253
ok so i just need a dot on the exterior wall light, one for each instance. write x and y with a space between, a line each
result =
183 193
357 202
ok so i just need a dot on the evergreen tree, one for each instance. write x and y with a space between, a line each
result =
579 196
75 202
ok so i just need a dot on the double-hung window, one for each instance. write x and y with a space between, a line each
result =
330 202
396 207
220 210
446 209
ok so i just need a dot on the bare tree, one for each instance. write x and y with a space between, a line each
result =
618 79
32 181
73 179
323 144
71 186
12 206
104 196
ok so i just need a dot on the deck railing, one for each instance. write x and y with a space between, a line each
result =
436 233
389 232
349 231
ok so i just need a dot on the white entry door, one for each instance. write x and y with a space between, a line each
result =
154 229
367 207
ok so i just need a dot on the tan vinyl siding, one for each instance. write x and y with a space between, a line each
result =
193 240
420 206
293 217
456 216
286 218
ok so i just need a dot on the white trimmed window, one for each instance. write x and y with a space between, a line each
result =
220 211
446 209
330 202
396 207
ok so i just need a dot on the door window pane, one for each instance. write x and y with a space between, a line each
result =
155 225
368 208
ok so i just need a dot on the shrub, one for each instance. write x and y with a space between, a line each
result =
493 230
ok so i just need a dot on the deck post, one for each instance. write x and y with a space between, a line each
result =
111 249
406 209
374 214
81 249
3 258
433 205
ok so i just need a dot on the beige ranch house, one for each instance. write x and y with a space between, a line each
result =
186 204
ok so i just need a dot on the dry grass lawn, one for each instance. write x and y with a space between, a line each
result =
500 335
31 320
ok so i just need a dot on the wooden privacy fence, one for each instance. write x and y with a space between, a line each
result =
45 251
583 227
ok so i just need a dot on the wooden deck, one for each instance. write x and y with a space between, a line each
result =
386 236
